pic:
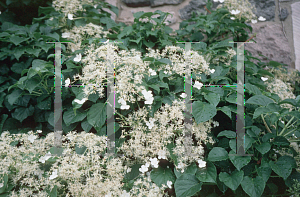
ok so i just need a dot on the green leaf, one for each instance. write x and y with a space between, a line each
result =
126 31
259 111
70 117
282 168
80 150
18 52
227 133
5 181
56 151
254 187
187 185
263 148
34 52
161 175
212 98
252 89
264 72
259 100
208 174
17 40
239 161
226 111
232 98
233 180
281 141
21 113
13 97
32 83
86 126
96 116
248 143
264 172
45 104
54 192
203 112
217 154
133 173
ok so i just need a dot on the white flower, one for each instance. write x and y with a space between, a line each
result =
108 195
183 95
254 21
198 85
70 16
125 194
144 168
31 138
235 12
150 124
128 170
45 158
152 72
232 18
169 184
1 184
201 163
216 0
123 104
165 72
39 131
162 154
221 1
282 122
95 6
51 18
65 35
181 166
80 101
212 70
0 12
264 79
154 162
148 96
67 82
77 58
261 18
107 41
54 175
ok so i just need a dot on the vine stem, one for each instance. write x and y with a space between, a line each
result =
266 124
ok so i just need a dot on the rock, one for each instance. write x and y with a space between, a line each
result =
194 5
137 3
265 8
283 14
155 3
270 43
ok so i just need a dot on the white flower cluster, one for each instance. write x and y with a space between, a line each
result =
283 90
240 9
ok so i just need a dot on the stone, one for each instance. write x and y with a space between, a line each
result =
155 3
264 8
283 14
270 43
137 3
296 32
194 5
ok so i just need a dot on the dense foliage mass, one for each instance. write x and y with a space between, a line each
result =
149 79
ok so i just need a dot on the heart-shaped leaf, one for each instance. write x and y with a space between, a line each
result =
239 161
217 154
208 174
187 185
161 175
233 180
263 148
282 168
254 187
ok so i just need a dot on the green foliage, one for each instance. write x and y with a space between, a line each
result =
27 95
